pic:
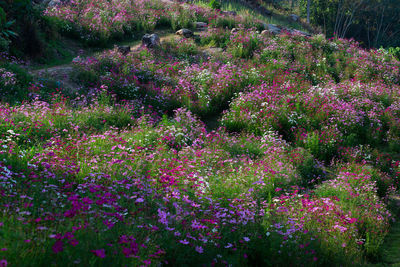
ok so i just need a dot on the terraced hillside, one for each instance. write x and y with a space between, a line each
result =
225 144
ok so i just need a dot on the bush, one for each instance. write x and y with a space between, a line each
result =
395 52
215 4
2 17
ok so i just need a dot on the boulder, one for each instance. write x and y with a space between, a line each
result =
50 3
200 25
53 3
234 30
150 40
294 17
229 13
185 33
124 49
272 28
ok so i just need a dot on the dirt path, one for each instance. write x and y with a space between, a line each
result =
63 74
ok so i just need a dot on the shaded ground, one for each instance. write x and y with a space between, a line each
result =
63 73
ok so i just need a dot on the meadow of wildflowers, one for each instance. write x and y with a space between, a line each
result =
128 172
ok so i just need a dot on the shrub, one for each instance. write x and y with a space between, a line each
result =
215 4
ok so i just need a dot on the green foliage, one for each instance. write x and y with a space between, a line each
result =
395 52
371 22
215 4
3 17
14 89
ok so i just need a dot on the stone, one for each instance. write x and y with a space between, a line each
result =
234 30
229 13
124 49
185 33
200 25
53 3
272 28
294 17
150 40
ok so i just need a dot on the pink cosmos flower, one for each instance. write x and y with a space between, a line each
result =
199 249
185 242
353 220
58 246
101 253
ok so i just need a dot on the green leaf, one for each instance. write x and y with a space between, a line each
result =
9 23
11 33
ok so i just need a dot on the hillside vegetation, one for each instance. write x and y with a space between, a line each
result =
233 147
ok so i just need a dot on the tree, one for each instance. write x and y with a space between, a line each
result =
374 23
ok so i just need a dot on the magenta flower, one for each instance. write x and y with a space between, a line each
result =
101 253
185 242
199 249
353 220
3 263
73 242
147 262
58 246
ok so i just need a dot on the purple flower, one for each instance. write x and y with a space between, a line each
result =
229 245
58 246
101 253
199 249
185 242
139 200
3 263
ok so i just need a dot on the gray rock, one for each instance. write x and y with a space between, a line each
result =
294 17
229 13
200 25
150 40
234 30
272 28
185 33
53 3
124 49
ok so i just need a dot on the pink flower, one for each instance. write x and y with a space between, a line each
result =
147 262
74 242
199 249
58 246
101 253
185 242
353 220
3 263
